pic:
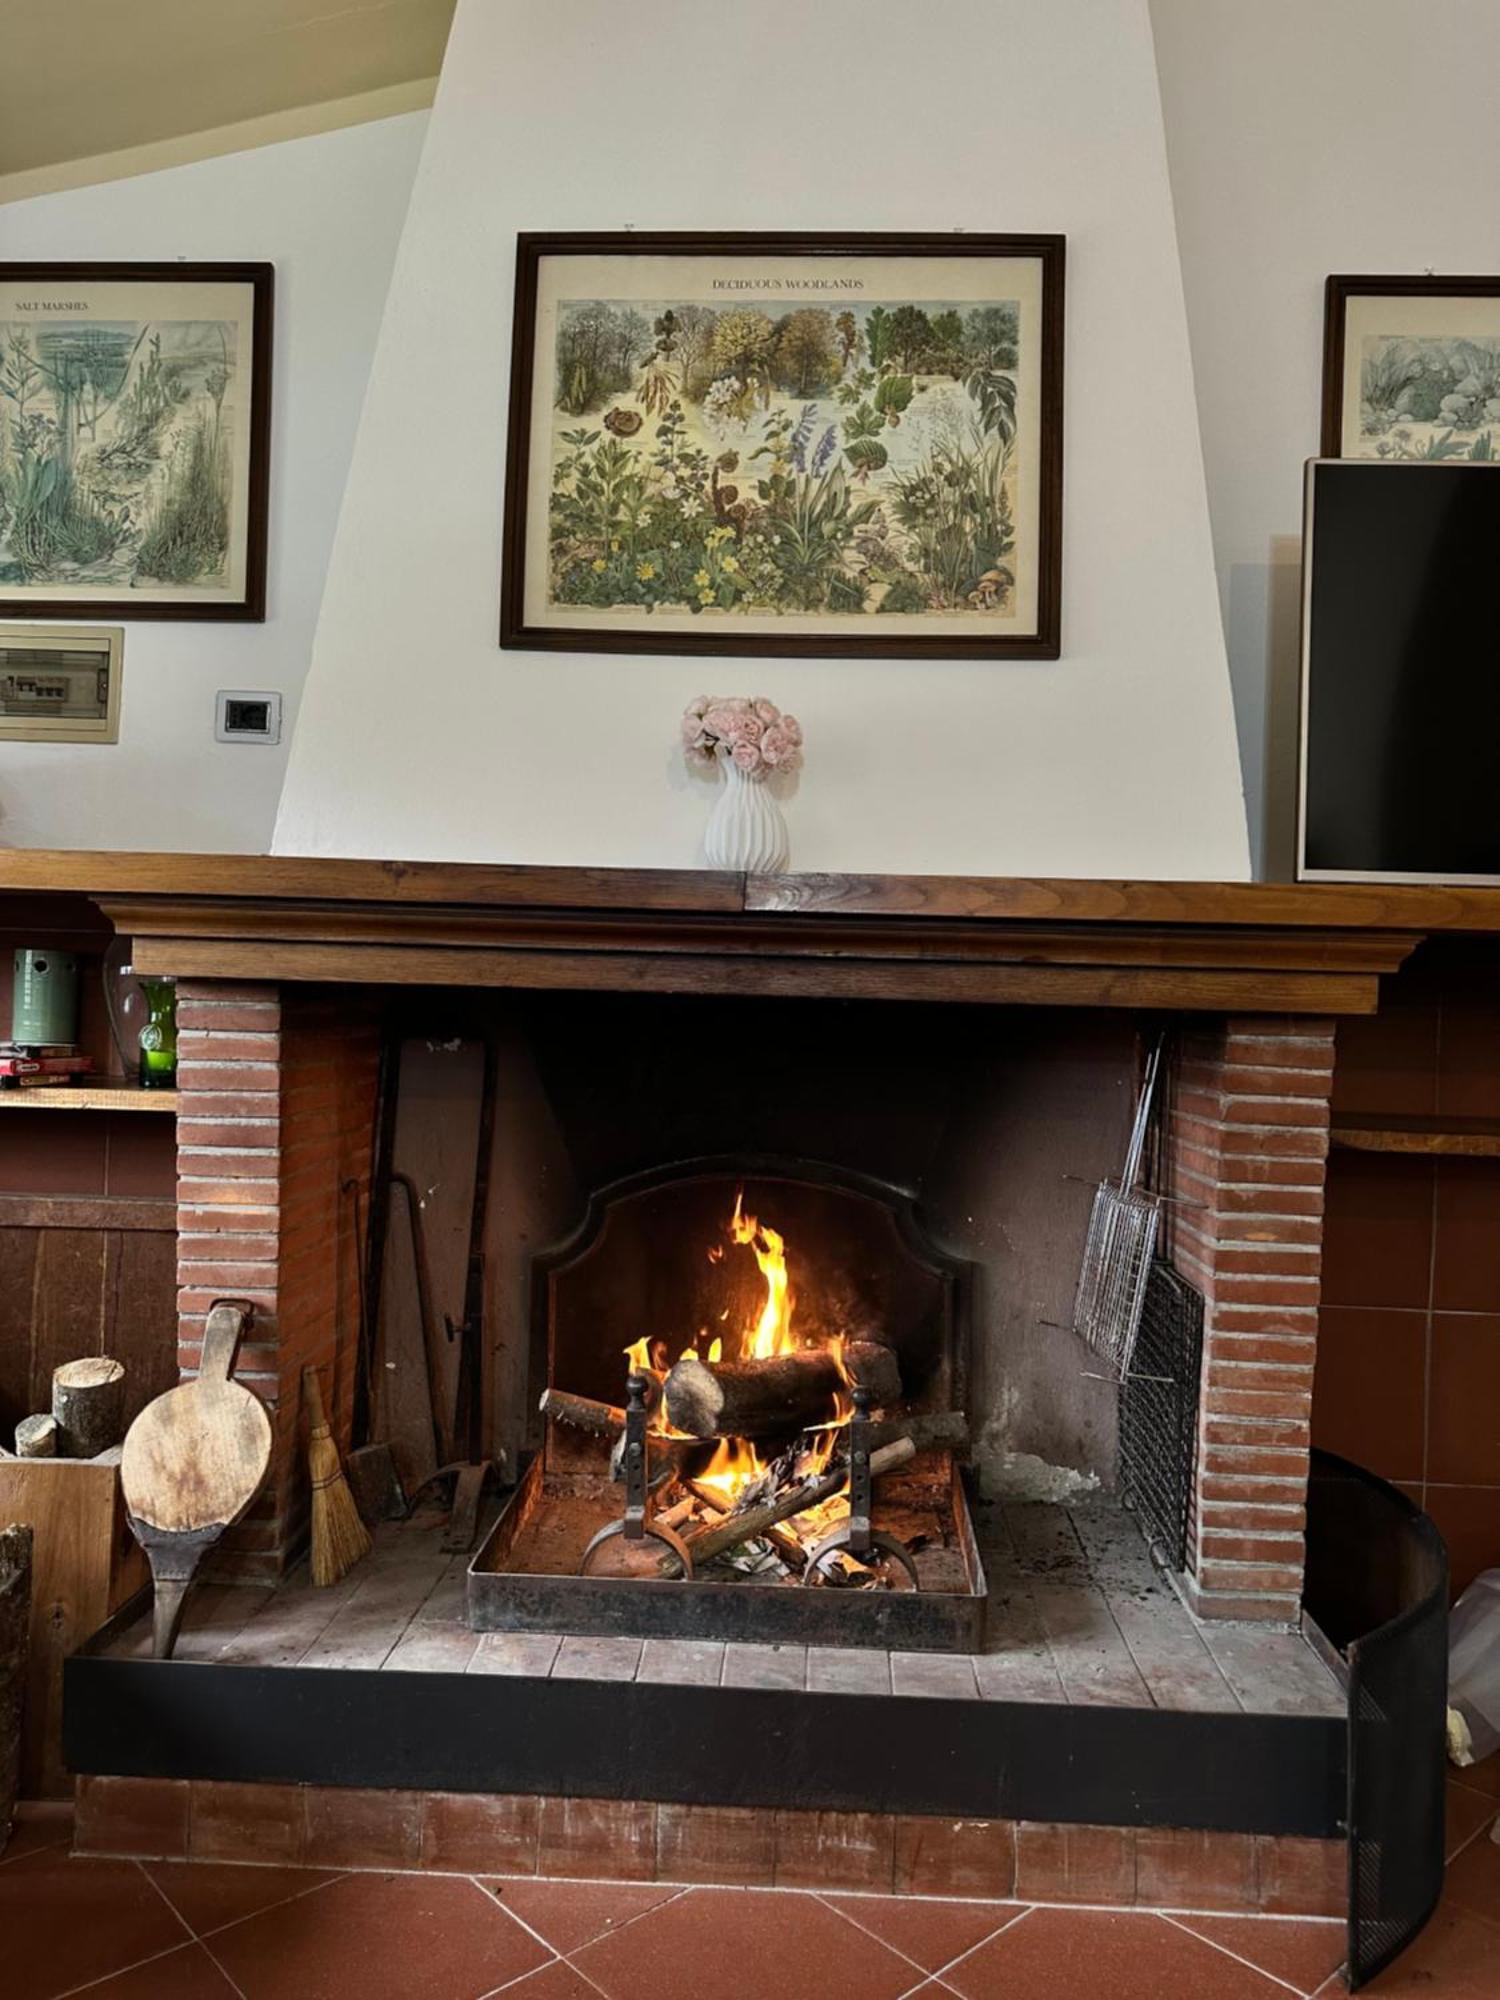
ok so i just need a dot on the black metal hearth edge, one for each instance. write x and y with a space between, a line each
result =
1267 1774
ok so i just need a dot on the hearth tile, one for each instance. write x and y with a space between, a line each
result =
143 1816
207 1895
947 1675
1177 1868
931 1934
65 1921
1074 1864
955 1857
380 1937
1302 1954
848 1670
682 1662
1483 1776
1452 1959
731 1846
835 1850
1126 1954
483 1833
569 1915
745 1940
1473 1883
530 1654
1467 1518
352 1827
246 1822
188 1973
1302 1878
597 1660
609 1840
752 1666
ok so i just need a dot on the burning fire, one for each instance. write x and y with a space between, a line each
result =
736 1463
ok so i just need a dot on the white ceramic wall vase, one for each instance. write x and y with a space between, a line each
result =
746 831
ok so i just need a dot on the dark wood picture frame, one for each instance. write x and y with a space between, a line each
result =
1041 640
1339 290
250 606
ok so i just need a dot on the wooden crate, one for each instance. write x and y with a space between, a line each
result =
85 1564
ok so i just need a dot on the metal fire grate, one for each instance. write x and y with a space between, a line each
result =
1159 1412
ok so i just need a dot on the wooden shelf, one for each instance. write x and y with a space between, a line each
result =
1383 1132
101 1094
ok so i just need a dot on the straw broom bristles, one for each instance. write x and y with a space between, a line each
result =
339 1536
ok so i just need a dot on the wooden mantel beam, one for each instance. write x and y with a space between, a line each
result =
1220 947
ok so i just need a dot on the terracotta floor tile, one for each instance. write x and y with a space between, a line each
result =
1473 1885
557 1981
379 1937
1302 1952
209 1894
931 1934
186 1974
1454 1959
65 1922
572 1914
1124 1955
750 1941
36 1831
1467 1812
1482 1777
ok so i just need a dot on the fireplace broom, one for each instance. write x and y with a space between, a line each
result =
339 1536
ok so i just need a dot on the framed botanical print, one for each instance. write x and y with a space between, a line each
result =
1411 368
135 425
765 444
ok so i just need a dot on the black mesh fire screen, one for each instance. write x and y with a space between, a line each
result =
1159 1412
1377 1585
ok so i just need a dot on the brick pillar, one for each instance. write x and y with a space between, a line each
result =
1246 1150
276 1112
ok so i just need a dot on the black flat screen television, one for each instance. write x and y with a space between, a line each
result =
1400 742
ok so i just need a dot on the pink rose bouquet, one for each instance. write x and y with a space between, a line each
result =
754 732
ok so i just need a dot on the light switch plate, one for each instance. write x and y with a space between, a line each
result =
247 715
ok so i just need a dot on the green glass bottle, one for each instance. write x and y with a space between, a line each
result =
158 1038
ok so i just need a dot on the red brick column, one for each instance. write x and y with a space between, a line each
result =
276 1113
1246 1149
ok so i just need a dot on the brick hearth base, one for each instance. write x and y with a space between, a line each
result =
613 1840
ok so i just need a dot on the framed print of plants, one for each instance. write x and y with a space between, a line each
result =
1411 368
808 444
135 429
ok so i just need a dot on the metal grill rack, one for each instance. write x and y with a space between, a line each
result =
1159 1412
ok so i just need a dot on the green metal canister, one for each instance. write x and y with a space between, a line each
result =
44 1009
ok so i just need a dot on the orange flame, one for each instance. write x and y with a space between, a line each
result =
772 1332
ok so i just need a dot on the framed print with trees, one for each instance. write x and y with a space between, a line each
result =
765 444
1411 368
135 427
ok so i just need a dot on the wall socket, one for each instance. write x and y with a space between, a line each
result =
247 715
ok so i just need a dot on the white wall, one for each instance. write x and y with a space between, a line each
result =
327 211
1306 136
420 738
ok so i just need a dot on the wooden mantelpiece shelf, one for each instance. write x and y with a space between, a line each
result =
103 1095
1382 1132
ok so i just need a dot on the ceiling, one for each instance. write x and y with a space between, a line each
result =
84 77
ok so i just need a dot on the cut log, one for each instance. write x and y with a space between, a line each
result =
88 1401
584 1413
928 1430
756 1399
744 1527
36 1437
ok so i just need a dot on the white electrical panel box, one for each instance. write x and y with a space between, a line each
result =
61 685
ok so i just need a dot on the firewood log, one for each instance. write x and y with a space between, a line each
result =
88 1401
947 1429
36 1437
753 1521
756 1399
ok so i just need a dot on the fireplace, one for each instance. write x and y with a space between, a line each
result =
763 1306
